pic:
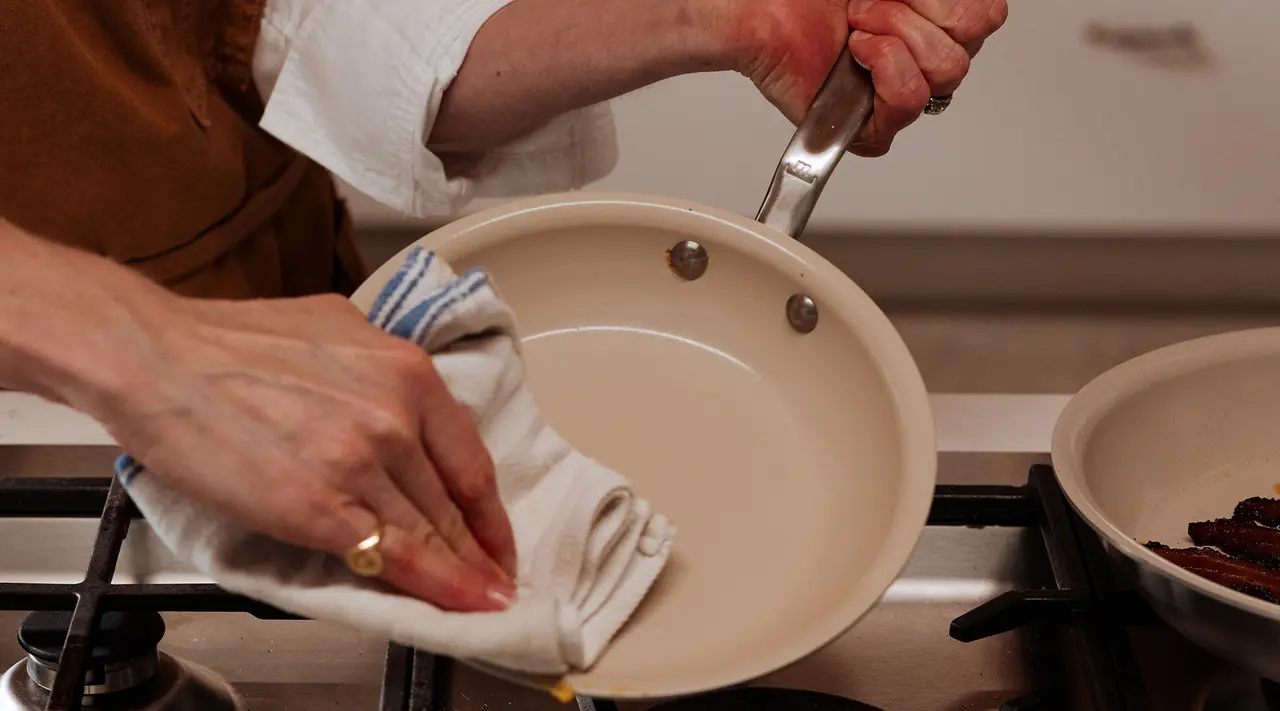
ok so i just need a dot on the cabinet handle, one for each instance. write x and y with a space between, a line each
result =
1174 46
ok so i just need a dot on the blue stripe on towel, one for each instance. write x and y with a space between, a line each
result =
469 284
127 469
416 264
416 324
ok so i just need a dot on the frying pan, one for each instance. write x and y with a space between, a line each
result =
1179 435
746 387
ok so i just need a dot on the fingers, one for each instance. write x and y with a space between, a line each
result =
420 482
459 454
424 566
915 49
901 90
417 556
968 22
941 60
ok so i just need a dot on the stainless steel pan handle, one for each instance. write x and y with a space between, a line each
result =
837 113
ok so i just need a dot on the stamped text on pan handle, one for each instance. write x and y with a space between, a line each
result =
837 113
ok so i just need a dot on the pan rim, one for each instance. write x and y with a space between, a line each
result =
898 370
1083 412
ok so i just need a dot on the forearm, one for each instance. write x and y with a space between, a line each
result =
537 59
70 322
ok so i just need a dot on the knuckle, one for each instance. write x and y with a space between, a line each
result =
884 55
873 52
969 32
415 369
970 23
348 454
888 48
997 15
390 429
451 525
452 591
424 566
402 555
852 10
431 539
913 95
315 504
476 482
403 355
897 14
954 64
314 514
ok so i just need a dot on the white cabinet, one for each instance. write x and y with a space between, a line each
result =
1050 130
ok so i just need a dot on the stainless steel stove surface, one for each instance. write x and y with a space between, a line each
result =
1004 566
898 657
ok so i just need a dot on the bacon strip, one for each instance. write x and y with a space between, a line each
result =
1239 575
1259 510
1244 539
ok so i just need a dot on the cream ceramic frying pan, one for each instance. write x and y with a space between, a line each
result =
744 384
1179 435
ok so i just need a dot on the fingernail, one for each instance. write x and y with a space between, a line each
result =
858 36
499 598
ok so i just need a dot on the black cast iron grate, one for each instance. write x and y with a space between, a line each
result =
1085 597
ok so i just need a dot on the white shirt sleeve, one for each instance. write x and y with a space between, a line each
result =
356 86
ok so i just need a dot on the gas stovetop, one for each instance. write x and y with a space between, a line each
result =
1020 585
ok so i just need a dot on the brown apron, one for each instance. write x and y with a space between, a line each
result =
129 128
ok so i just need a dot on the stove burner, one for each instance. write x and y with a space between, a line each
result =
124 670
123 655
1084 597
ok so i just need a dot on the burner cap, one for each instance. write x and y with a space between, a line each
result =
764 699
120 636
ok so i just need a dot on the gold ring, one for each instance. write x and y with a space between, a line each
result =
365 558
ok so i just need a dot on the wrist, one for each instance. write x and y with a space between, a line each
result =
74 327
701 35
732 33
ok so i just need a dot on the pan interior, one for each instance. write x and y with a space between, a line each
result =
776 455
1187 448
797 469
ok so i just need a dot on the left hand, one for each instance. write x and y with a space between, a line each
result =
914 49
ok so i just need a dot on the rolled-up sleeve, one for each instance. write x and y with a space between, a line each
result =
356 86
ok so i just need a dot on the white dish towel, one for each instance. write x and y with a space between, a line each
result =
589 547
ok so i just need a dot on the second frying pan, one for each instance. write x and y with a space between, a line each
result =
1178 435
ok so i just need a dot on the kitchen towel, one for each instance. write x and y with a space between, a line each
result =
589 548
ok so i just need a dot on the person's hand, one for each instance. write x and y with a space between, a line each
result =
914 49
303 422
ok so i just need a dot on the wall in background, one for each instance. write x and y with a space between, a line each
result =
1079 118
1106 151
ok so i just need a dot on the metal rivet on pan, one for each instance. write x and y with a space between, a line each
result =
688 259
802 313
